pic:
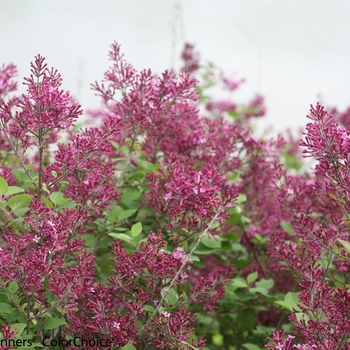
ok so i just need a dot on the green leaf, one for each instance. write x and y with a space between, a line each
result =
192 338
19 327
17 160
183 297
251 346
291 161
3 186
238 247
242 294
206 320
53 323
14 190
126 213
20 211
232 176
21 178
139 177
195 258
246 220
284 304
113 214
245 319
136 229
115 144
47 202
262 330
120 236
292 299
252 277
66 204
336 250
234 219
5 309
20 201
260 308
238 282
241 198
213 243
63 201
264 283
149 308
345 244
12 288
203 250
286 327
262 291
128 347
172 298
131 194
259 239
234 114
120 229
287 226
146 165
300 316
56 197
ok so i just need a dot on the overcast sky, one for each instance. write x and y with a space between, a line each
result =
290 51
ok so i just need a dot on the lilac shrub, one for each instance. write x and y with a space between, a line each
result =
169 225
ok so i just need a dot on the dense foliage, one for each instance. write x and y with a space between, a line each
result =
169 224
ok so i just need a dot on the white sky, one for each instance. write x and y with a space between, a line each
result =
291 51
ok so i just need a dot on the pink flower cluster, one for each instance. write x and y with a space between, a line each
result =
187 197
7 84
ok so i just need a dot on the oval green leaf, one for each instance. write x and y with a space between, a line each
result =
136 229
12 288
283 304
56 197
345 244
19 327
53 323
20 201
252 277
128 347
47 202
14 190
120 236
5 309
172 298
126 213
292 299
241 198
213 243
3 186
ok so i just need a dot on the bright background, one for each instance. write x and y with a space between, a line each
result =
293 52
